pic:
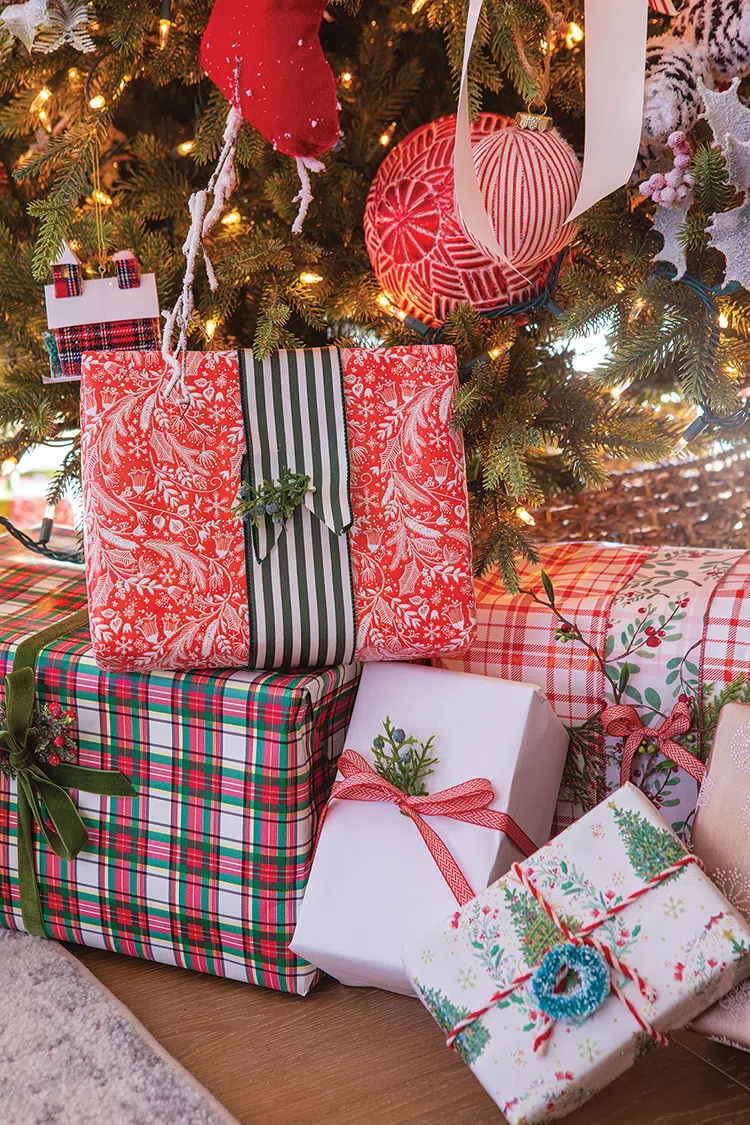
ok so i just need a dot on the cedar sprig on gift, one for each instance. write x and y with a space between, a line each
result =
277 499
402 760
50 736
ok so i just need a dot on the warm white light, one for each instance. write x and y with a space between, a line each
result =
211 326
164 26
386 303
417 6
723 320
100 196
347 78
231 219
186 147
495 353
73 74
526 516
44 94
573 35
98 101
310 278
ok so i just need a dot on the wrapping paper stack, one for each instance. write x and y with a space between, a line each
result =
376 881
616 900
206 866
678 617
720 838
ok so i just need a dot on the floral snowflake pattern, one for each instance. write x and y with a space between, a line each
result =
589 1049
673 907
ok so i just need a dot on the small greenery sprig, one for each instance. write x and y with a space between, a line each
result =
277 499
51 737
405 762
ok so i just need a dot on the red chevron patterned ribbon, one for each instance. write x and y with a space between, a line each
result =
581 936
623 721
468 802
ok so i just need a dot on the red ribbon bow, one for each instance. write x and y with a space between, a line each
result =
468 801
623 720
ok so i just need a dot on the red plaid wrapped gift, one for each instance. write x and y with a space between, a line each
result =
354 541
678 618
206 867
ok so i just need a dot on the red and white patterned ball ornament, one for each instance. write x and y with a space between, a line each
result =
421 253
529 179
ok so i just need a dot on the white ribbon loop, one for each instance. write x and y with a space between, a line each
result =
615 65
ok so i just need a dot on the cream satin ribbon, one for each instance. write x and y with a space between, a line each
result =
615 67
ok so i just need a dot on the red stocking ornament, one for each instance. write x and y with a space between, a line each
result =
287 90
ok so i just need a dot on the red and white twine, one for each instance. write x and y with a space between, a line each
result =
581 936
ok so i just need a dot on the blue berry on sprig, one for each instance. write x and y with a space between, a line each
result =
403 761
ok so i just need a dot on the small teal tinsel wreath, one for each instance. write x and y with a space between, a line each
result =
581 1001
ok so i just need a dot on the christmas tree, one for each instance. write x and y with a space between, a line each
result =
108 124
472 1041
536 930
650 850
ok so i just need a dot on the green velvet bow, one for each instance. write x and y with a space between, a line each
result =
40 784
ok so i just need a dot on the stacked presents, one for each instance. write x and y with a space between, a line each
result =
187 758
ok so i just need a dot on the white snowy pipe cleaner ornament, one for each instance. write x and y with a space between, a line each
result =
202 219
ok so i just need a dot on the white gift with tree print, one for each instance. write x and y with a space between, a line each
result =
681 936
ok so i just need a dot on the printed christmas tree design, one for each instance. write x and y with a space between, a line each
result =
471 1042
537 932
649 849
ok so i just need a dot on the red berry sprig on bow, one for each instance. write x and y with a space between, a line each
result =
51 736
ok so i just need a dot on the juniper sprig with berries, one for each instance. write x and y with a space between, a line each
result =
403 761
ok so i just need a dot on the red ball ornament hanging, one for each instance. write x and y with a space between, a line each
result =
529 178
421 253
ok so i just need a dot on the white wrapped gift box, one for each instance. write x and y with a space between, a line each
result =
374 884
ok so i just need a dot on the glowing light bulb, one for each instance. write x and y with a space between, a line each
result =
8 466
164 26
386 303
495 353
231 219
98 101
73 74
723 320
347 78
310 278
100 196
211 326
387 136
573 35
44 94
678 447
526 517
185 147
417 6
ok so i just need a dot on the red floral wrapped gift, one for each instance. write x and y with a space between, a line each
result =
308 509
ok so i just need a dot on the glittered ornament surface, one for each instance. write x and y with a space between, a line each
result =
730 233
420 251
25 20
529 182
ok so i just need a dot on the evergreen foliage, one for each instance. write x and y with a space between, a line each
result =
473 1040
650 849
533 427
536 930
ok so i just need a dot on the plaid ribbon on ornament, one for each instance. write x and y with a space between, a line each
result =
232 770
128 273
115 335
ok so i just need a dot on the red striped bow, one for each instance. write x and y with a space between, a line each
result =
468 801
623 720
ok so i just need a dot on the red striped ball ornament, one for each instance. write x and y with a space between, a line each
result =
529 180
420 251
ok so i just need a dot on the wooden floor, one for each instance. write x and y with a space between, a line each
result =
360 1057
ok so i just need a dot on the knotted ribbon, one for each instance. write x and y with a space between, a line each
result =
43 788
623 721
468 802
581 936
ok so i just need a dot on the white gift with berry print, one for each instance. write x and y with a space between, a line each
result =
374 886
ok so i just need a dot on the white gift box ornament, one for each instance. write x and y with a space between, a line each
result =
555 979
378 875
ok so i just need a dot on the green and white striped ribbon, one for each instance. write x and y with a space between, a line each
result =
299 574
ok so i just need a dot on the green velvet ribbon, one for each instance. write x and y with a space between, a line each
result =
40 784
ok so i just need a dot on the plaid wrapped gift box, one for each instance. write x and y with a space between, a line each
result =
206 867
676 616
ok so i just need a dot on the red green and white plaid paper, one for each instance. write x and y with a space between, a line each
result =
679 617
206 868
